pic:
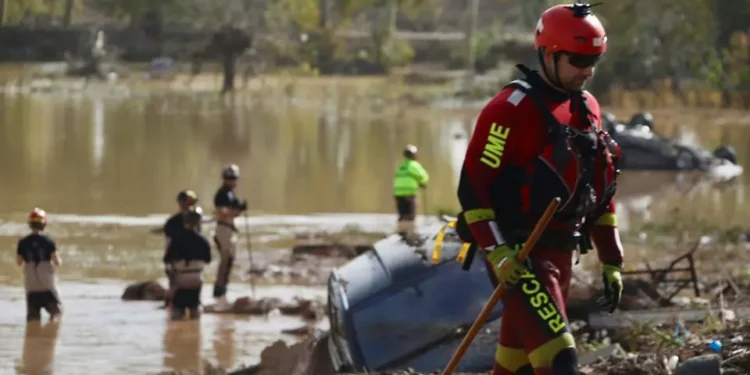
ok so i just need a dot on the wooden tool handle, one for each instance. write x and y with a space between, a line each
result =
500 290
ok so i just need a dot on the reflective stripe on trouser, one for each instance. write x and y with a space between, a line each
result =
226 240
534 322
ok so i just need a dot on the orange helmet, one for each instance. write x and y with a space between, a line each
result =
38 216
571 28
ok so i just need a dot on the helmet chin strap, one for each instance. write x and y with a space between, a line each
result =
555 81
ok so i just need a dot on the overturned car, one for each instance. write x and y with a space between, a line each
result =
398 307
642 148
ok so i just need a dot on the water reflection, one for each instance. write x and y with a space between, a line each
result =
224 342
111 155
128 156
182 346
39 348
645 196
97 122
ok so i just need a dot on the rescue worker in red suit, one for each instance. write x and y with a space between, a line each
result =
541 138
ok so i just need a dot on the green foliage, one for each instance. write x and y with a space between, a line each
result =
700 42
488 42
347 8
387 51
693 40
18 8
299 39
655 40
737 61
299 15
131 9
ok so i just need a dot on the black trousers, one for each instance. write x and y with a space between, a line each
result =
406 207
36 301
186 299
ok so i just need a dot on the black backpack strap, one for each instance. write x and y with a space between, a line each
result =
553 126
554 130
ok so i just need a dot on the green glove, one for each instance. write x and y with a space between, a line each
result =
612 277
507 268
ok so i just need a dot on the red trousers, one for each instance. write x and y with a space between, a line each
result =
534 325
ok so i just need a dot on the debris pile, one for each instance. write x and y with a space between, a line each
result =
144 291
307 309
298 269
347 244
665 348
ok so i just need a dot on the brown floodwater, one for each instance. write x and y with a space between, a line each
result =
107 163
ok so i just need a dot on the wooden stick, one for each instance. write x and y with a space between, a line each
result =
500 290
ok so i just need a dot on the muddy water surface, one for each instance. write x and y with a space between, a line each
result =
108 167
99 334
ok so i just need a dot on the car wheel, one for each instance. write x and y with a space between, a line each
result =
685 160
726 153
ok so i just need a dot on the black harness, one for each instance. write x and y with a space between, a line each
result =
588 144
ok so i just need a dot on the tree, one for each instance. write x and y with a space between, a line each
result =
655 40
131 10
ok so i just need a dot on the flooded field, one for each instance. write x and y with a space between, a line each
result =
107 168
99 334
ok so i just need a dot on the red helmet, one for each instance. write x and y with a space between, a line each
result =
38 215
571 28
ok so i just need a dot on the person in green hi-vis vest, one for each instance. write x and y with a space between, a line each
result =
410 177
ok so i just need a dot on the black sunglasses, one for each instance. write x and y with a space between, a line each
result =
583 61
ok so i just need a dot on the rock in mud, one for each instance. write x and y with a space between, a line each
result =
299 331
304 308
144 291
307 357
332 250
702 365
348 245
297 269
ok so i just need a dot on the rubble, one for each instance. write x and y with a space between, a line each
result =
144 291
331 245
349 242
659 329
307 309
297 269
648 348
635 350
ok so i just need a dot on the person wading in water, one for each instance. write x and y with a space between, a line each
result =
175 224
228 206
187 255
38 256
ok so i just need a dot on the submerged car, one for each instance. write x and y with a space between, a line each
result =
643 148
393 308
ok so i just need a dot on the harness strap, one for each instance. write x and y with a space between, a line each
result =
554 130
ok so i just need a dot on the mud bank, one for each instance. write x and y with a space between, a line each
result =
717 344
307 309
